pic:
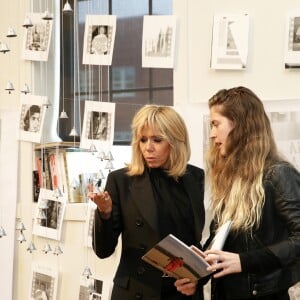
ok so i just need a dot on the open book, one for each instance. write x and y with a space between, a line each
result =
174 258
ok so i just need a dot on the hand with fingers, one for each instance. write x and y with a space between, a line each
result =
186 286
223 263
103 202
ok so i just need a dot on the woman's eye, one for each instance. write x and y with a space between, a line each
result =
157 139
143 139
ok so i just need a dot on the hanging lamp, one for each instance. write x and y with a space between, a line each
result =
47 16
11 32
2 232
25 90
27 22
4 48
67 8
47 248
57 250
31 247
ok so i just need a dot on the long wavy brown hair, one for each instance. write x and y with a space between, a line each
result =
236 180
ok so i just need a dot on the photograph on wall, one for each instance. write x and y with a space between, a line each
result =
37 38
158 41
98 125
32 117
230 41
43 283
292 41
94 289
99 38
49 215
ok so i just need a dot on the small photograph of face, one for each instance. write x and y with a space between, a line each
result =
32 119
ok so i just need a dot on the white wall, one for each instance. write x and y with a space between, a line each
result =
265 73
194 83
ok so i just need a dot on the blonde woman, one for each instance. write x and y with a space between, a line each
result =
158 193
257 190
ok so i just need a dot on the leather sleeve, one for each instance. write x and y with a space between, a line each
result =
286 182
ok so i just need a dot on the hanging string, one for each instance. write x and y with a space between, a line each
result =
74 76
63 58
78 76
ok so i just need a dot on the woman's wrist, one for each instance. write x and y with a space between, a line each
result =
104 215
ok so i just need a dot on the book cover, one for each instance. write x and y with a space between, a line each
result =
47 181
174 258
35 185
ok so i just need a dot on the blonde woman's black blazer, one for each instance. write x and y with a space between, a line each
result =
135 218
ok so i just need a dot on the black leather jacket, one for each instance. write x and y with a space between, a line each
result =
270 257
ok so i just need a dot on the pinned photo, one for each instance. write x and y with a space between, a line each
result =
32 117
230 42
37 38
99 38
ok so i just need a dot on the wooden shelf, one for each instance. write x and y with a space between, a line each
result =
57 145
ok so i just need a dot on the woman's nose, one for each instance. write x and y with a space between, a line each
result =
212 133
149 145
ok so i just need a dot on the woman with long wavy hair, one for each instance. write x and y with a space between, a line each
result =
256 189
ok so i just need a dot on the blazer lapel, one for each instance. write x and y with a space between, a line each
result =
142 195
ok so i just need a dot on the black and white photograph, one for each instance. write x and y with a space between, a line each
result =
94 289
99 37
49 215
292 47
32 116
43 283
37 38
98 125
158 41
230 41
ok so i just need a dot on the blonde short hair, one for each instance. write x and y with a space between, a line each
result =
171 127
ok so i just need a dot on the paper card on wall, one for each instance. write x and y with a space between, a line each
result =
43 282
230 41
292 41
95 288
158 41
32 117
99 39
98 125
49 215
37 38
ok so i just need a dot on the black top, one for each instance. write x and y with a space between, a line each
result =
175 216
175 213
